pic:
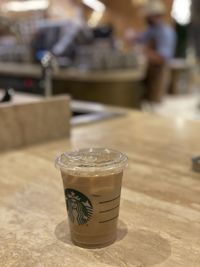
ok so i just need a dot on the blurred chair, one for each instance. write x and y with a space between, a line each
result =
27 124
181 81
157 82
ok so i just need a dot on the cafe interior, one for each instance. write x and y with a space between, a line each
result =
86 74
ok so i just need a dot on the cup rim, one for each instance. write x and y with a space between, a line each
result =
92 162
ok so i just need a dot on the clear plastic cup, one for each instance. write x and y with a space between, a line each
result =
92 180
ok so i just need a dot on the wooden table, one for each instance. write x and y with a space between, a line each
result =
160 207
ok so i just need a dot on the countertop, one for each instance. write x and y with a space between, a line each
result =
160 208
35 71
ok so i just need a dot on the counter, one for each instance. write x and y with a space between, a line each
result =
35 71
160 208
111 87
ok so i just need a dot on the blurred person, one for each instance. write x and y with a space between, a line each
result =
158 41
75 32
61 37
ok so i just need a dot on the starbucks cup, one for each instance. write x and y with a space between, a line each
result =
92 180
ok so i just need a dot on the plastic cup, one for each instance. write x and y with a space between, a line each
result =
92 180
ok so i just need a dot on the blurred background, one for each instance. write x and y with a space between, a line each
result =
140 54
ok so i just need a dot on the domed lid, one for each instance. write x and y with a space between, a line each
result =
92 162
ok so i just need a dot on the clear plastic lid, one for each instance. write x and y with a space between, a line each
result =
92 162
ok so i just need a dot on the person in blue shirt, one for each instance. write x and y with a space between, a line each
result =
159 42
159 37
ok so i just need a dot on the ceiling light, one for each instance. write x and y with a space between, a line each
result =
181 11
22 6
96 5
95 18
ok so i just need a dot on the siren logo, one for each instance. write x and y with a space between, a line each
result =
79 207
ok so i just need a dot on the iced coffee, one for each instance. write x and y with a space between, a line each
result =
92 181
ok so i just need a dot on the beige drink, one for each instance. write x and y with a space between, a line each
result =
92 192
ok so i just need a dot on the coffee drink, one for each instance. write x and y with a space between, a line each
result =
92 193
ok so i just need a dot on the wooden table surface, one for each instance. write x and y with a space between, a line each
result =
160 207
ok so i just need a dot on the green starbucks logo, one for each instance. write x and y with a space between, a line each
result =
79 207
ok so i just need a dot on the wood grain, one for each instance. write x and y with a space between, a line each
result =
160 208
24 124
